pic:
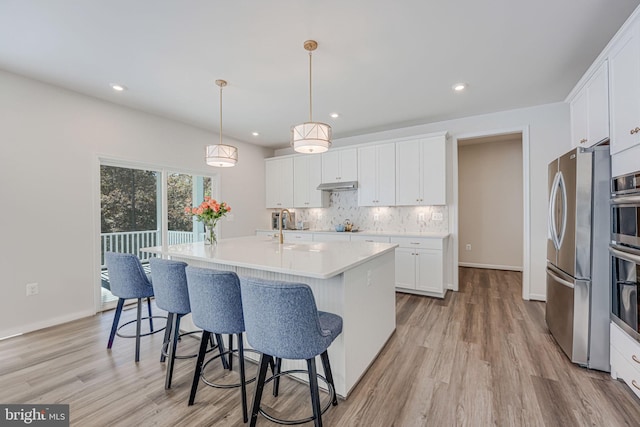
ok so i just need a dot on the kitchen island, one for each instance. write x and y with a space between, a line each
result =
354 280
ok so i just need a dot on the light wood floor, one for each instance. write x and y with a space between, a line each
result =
480 357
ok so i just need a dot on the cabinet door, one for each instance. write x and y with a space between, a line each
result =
405 268
317 198
624 71
349 165
279 183
367 176
301 183
408 173
579 119
331 237
598 106
433 172
386 165
331 166
429 271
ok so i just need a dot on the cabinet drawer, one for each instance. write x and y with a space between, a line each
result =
298 237
628 348
330 237
418 242
625 371
375 239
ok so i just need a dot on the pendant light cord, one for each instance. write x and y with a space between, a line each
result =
220 114
310 95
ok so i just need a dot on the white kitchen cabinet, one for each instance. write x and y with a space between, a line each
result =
624 70
625 358
421 173
590 110
420 266
377 175
279 182
307 175
331 237
292 236
340 165
369 238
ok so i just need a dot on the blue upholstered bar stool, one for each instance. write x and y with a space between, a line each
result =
172 295
128 280
216 307
283 322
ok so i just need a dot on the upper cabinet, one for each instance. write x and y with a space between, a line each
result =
279 182
307 175
421 172
377 175
590 110
340 165
624 63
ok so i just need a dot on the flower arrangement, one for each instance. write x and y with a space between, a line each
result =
209 212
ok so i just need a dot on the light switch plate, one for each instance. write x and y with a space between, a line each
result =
437 216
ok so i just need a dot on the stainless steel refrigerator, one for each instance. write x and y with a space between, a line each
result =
578 292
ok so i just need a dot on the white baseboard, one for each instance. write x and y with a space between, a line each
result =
538 297
489 266
46 323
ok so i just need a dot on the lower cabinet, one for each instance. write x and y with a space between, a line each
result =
330 237
625 358
420 266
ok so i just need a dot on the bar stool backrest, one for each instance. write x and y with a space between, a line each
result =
170 285
127 279
216 304
282 319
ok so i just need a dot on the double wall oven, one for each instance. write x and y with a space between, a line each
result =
625 253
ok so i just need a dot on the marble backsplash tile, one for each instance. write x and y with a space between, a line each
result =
343 205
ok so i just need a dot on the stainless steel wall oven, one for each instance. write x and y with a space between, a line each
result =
625 253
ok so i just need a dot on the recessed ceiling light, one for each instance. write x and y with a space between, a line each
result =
255 134
458 87
334 115
118 87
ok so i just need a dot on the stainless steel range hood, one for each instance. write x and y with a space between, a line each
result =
338 186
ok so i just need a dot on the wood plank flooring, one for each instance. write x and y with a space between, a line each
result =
480 357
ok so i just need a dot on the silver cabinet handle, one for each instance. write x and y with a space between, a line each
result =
615 250
635 358
583 140
635 384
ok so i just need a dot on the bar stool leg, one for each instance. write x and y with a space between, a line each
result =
243 383
230 352
138 326
167 336
225 365
262 374
276 381
198 370
116 319
172 352
150 315
327 372
315 396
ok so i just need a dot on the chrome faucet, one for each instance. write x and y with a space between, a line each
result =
280 221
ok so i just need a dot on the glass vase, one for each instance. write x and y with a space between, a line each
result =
210 237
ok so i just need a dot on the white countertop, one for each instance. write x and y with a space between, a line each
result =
370 233
320 260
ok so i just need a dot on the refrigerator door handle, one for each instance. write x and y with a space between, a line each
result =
552 212
626 254
558 279
562 186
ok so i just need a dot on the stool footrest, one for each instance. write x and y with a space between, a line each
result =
300 421
185 356
141 319
230 353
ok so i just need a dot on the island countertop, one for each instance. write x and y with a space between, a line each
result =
320 260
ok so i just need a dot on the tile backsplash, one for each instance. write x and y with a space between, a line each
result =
343 205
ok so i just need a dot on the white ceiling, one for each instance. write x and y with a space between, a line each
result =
380 64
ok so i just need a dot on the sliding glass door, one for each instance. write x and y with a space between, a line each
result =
132 214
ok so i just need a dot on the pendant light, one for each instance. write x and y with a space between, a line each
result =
311 137
221 155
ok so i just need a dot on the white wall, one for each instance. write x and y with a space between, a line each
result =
50 141
549 136
490 200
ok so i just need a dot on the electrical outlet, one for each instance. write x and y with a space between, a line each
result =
437 216
230 217
468 247
376 217
421 216
32 289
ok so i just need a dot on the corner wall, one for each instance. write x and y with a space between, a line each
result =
51 139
